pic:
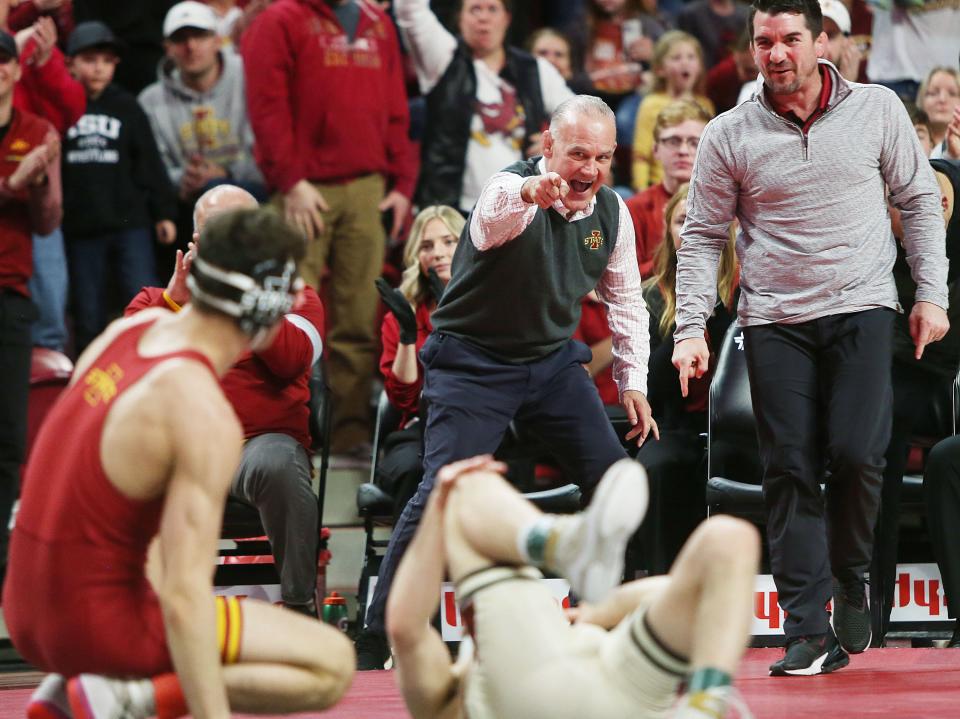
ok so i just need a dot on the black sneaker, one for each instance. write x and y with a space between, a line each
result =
373 650
851 615
807 656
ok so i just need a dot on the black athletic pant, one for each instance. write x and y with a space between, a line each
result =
914 390
472 398
17 313
941 491
822 398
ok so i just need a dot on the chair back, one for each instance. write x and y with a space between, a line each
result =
50 373
388 417
732 427
320 424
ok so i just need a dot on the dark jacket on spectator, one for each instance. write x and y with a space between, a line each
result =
139 24
322 108
943 357
450 108
113 178
671 409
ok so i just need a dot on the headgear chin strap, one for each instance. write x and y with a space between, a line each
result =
258 301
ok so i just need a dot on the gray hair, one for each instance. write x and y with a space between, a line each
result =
569 111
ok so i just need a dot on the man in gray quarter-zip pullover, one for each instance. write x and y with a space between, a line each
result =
805 166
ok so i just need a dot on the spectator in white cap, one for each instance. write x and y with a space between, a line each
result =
198 112
841 50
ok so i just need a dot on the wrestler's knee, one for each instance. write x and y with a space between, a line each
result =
334 674
727 540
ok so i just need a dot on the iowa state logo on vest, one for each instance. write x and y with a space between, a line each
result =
101 384
594 241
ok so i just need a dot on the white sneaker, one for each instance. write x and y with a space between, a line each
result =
713 703
96 697
591 545
49 700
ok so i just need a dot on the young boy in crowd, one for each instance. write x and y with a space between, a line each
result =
115 187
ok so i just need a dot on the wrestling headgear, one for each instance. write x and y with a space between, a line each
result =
258 300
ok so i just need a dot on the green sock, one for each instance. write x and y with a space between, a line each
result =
532 540
707 678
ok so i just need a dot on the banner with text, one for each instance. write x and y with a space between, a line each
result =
918 597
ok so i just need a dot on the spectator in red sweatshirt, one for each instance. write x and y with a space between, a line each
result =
46 87
675 136
328 106
30 201
47 90
24 13
269 390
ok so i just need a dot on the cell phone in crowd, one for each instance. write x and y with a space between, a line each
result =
386 219
631 31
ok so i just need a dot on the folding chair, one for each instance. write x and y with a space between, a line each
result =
241 521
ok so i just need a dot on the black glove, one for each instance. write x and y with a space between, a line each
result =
401 309
435 284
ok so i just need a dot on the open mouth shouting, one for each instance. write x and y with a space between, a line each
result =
580 186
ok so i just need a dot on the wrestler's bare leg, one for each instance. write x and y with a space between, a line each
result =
497 524
288 662
704 611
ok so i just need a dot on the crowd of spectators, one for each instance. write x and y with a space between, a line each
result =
350 116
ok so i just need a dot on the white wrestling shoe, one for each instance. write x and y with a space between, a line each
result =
95 697
590 546
49 700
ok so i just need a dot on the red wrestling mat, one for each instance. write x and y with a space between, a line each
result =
901 683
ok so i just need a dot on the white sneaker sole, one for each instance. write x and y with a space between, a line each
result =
617 509
91 697
49 701
815 668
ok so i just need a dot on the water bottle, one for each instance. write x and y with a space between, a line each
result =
335 611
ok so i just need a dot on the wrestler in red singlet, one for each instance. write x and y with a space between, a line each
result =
76 598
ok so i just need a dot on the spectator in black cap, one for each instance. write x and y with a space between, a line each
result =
116 190
30 202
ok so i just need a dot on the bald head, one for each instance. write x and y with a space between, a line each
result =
218 200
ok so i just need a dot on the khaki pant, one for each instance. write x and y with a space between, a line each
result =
352 247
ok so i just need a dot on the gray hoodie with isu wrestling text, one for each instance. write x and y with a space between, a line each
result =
814 237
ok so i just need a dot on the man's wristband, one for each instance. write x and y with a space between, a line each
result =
170 303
